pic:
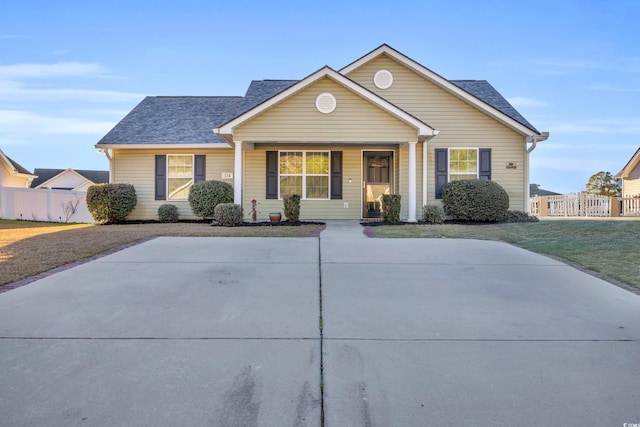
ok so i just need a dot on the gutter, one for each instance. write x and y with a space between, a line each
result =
534 139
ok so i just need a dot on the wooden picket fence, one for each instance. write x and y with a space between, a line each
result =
584 205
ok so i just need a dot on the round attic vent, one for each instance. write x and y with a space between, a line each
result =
383 79
326 103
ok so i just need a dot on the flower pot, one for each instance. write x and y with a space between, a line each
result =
275 217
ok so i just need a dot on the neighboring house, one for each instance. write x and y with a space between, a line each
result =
535 190
630 176
68 179
340 139
12 174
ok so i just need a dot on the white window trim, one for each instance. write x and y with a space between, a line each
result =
304 174
193 172
477 174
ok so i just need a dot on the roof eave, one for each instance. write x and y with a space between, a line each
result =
631 164
443 83
225 131
162 146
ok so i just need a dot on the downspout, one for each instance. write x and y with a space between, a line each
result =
533 140
106 153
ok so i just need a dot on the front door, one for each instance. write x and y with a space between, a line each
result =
377 180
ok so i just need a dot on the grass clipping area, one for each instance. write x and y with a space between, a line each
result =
30 248
611 249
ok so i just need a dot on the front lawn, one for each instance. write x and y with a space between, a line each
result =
611 249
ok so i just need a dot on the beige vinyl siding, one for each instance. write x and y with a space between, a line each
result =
8 180
255 187
460 125
632 183
137 167
296 119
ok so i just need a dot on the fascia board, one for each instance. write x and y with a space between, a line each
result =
440 81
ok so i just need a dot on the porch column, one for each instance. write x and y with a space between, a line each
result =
237 174
412 182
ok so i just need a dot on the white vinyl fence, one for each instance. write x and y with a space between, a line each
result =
584 205
630 206
44 205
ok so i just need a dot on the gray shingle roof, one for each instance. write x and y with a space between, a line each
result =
190 119
482 90
17 166
261 90
174 120
535 190
44 175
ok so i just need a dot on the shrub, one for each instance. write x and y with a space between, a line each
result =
206 195
433 214
111 203
228 214
391 208
291 207
168 213
475 200
520 216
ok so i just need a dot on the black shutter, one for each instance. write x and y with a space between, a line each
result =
485 164
199 168
272 175
441 170
161 177
336 175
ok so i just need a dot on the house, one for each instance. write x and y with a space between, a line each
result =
535 190
339 138
12 174
630 176
68 179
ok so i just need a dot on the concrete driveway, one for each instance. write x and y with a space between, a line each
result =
226 332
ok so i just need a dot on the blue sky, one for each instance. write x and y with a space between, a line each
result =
70 70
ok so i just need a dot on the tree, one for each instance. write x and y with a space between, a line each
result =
602 183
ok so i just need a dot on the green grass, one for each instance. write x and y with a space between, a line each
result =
609 248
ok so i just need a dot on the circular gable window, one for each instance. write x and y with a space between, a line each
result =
383 79
326 103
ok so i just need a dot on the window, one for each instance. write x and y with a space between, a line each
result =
179 176
304 173
463 163
454 164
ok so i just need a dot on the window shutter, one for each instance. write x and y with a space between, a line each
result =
485 164
442 170
161 177
199 168
272 175
336 175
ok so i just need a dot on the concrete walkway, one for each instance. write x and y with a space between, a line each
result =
227 332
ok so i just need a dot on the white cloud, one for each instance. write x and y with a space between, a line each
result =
14 89
59 69
16 124
521 101
627 126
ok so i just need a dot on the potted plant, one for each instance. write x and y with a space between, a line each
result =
275 216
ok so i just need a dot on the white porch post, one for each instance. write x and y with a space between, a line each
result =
412 182
237 174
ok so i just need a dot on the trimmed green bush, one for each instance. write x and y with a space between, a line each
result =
391 208
433 214
475 200
168 213
206 195
228 214
111 203
291 207
520 216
